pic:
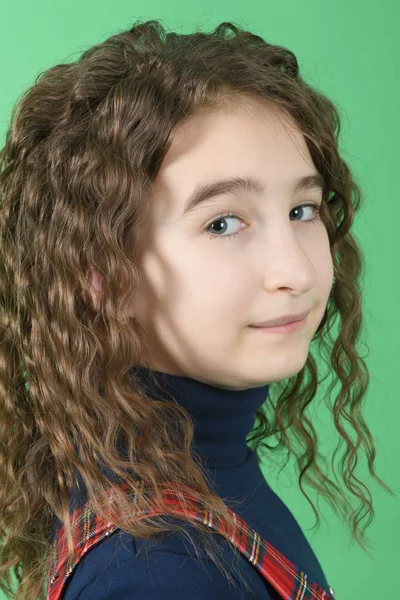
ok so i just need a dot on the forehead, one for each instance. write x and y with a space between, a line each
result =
232 125
231 141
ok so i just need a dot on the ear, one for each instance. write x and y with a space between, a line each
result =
96 287
96 281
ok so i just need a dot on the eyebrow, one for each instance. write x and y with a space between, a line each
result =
231 185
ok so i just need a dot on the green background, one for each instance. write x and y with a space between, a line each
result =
350 51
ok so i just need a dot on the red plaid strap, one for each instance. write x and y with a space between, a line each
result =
282 574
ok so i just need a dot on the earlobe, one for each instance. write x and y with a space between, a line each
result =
96 280
96 287
96 284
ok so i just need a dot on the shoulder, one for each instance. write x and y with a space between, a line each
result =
122 567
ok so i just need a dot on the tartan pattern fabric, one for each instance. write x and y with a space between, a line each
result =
290 582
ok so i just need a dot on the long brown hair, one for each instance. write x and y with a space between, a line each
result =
84 145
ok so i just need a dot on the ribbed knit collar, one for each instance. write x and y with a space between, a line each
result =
222 418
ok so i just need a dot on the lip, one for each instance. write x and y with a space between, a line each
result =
284 320
281 329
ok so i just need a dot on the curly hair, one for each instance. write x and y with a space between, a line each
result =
84 145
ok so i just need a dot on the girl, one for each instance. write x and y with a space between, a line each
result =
168 203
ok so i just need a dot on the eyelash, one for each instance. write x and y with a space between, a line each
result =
226 215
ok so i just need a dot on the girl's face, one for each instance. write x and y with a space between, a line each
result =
201 293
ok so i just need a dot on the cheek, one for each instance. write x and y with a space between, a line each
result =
211 293
186 285
316 247
324 274
324 266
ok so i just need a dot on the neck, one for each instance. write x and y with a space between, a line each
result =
222 418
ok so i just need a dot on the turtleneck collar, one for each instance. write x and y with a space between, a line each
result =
222 418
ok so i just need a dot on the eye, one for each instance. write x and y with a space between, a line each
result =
226 216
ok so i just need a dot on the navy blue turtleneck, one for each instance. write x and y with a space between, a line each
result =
121 567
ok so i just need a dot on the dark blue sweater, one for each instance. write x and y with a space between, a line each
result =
124 568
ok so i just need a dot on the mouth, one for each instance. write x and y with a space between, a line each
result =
284 320
290 327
